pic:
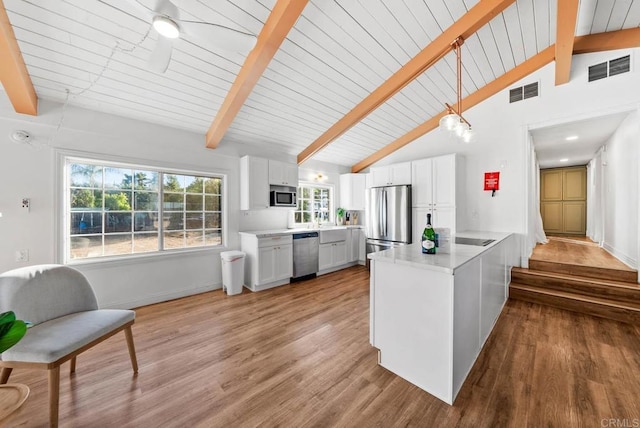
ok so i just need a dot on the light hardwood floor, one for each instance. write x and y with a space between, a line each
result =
299 355
576 251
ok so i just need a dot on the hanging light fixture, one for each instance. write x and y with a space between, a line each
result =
453 122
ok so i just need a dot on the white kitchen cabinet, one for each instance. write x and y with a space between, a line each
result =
353 245
331 255
254 183
283 174
391 175
493 290
436 189
433 181
352 191
362 246
441 217
268 261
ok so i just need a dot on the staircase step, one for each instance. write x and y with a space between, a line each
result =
615 290
630 276
600 307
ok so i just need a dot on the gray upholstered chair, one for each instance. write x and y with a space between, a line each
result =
62 307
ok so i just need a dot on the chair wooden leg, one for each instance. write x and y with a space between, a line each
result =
54 396
72 369
132 349
4 376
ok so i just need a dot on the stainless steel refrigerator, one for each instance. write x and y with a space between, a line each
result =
388 217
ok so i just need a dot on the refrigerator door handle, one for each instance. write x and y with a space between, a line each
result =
384 211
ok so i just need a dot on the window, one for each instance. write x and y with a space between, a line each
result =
314 204
115 210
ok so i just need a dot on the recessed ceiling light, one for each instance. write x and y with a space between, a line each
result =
571 138
564 160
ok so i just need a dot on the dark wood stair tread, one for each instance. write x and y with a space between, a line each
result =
576 296
593 306
621 275
577 278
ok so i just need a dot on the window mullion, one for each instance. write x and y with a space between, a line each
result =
160 211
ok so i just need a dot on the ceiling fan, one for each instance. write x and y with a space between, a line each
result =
165 19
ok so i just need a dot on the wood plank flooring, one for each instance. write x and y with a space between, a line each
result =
299 356
576 252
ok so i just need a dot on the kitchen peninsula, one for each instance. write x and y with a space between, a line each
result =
431 313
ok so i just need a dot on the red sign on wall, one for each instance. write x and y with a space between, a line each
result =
492 180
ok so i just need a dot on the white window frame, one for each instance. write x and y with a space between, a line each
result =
332 193
62 206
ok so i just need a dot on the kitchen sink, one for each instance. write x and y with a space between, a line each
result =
473 241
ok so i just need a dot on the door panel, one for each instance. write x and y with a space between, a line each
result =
552 216
551 186
574 217
574 184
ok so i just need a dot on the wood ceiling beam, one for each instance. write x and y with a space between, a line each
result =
282 18
13 71
529 66
470 22
565 35
622 39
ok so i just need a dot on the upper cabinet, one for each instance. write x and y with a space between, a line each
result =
257 174
254 183
434 181
391 175
437 189
352 191
283 174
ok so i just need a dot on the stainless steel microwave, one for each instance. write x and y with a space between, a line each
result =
281 198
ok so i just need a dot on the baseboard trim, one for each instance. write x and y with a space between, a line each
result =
629 261
161 297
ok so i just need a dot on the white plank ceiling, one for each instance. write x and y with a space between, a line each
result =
94 52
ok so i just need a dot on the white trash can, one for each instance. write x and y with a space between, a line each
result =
232 271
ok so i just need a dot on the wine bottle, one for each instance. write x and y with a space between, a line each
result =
428 238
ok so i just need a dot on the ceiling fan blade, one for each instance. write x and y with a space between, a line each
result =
166 8
217 35
161 55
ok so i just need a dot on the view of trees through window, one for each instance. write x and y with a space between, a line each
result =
314 204
115 210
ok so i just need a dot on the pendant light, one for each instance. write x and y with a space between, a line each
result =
453 122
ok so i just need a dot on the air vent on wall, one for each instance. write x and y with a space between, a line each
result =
523 92
610 68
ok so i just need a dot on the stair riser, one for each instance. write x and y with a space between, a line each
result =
589 308
586 271
604 291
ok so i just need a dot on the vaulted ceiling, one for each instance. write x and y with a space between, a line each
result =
93 53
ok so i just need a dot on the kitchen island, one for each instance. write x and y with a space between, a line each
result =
431 313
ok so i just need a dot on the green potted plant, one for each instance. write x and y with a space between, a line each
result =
340 216
11 331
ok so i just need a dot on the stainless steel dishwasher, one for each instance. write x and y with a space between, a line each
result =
305 254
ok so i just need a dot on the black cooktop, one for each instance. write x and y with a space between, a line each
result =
473 241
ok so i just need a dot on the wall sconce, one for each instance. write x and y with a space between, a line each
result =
320 177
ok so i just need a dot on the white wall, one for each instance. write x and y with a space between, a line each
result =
501 130
621 191
30 171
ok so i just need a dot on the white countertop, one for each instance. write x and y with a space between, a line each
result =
276 232
448 262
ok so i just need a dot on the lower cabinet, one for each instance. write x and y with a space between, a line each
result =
268 261
274 263
331 255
